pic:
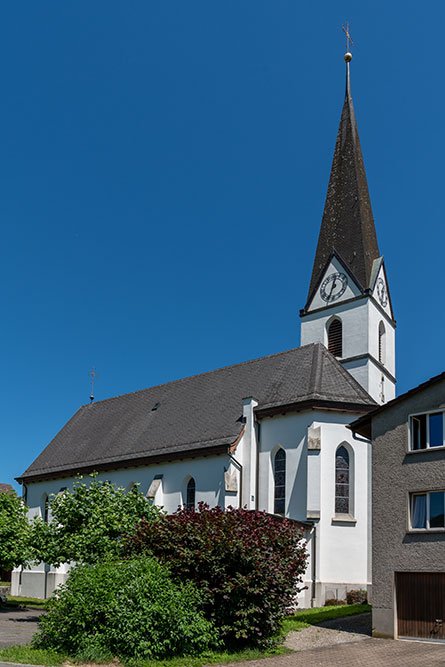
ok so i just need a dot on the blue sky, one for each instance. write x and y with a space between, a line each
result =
163 170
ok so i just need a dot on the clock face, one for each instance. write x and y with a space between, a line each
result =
333 287
382 292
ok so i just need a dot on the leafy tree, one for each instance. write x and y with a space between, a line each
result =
14 531
86 523
247 564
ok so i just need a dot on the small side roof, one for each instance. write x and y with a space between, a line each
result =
197 415
362 425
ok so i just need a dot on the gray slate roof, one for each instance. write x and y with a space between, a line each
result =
347 225
195 414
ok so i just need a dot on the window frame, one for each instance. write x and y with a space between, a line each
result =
428 528
284 486
382 343
330 341
337 483
428 447
187 505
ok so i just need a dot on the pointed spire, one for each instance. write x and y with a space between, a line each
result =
347 225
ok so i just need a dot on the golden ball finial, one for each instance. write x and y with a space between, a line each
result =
348 57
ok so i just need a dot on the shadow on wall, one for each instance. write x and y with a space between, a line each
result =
416 538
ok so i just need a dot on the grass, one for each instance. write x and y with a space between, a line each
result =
300 620
13 601
5 583
34 656
303 619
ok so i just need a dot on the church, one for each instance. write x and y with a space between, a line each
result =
270 433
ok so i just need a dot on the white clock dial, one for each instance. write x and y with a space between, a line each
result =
382 292
333 287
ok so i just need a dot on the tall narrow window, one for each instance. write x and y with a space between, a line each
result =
342 481
45 509
382 343
335 338
190 496
280 482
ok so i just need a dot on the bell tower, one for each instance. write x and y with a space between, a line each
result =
348 307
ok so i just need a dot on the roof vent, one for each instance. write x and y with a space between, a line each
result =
155 407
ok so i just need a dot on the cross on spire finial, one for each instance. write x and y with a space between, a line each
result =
94 377
348 36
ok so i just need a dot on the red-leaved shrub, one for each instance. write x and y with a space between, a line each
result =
248 565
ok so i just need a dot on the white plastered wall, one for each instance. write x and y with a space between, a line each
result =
343 544
360 324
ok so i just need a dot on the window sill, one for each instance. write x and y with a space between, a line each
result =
426 449
344 518
425 531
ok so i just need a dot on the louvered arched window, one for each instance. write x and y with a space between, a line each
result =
190 494
342 481
280 482
382 343
335 338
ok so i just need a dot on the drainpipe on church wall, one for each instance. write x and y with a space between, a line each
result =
257 474
314 564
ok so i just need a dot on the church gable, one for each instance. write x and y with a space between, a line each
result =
380 289
336 284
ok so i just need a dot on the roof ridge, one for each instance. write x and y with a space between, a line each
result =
189 377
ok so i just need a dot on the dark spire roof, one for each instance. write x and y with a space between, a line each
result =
347 225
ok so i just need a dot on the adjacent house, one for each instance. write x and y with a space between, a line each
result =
408 508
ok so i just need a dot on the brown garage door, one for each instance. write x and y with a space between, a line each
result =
421 604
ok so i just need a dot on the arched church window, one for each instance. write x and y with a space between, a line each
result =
45 509
342 481
190 494
335 338
280 482
382 343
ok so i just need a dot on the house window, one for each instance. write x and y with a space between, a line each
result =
427 431
280 482
382 343
428 510
190 494
335 338
342 481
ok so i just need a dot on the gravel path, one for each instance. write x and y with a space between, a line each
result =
338 631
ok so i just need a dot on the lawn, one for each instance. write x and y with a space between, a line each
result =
24 602
303 619
300 620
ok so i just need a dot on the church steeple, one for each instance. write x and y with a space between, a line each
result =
347 225
348 308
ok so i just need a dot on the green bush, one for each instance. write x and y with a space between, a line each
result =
125 609
247 564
